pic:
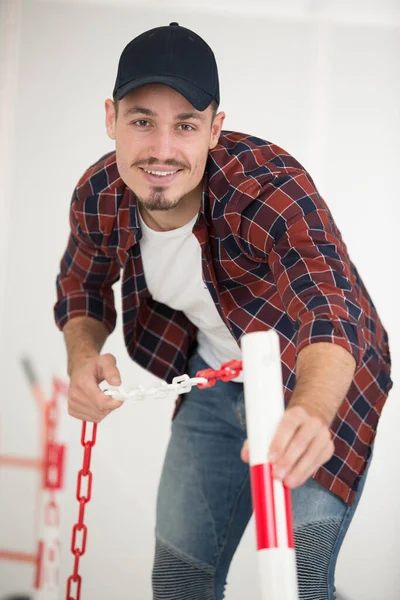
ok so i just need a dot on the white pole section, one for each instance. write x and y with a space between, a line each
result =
271 499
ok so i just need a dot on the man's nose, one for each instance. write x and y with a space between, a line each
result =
163 145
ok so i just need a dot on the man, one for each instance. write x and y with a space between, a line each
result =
218 234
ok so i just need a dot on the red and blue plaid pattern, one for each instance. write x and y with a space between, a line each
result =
272 257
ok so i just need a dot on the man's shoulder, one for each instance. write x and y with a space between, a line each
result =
257 156
243 167
100 204
101 178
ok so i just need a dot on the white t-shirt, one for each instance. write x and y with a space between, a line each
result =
173 273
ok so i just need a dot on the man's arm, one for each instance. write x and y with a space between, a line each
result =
84 338
85 312
302 441
312 271
84 283
324 373
291 227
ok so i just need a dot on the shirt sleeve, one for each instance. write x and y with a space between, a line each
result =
313 274
84 282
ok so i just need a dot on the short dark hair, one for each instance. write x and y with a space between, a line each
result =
214 107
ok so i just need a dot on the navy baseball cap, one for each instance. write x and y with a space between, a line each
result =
174 56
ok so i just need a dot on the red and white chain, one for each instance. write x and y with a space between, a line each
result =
180 385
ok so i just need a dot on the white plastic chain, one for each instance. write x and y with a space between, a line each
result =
180 385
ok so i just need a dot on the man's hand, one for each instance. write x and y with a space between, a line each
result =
302 443
85 399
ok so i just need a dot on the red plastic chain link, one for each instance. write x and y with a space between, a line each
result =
76 549
53 475
229 370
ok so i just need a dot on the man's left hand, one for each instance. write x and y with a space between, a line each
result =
302 443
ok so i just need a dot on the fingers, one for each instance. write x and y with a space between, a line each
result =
107 369
244 453
302 443
87 406
83 413
85 399
99 398
319 452
296 443
292 419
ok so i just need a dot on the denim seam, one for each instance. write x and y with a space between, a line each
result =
203 496
348 516
198 564
338 541
321 521
229 525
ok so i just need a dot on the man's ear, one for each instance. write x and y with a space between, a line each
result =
216 128
110 118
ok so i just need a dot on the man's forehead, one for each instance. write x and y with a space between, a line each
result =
148 100
137 109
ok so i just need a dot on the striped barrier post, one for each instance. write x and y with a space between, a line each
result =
271 499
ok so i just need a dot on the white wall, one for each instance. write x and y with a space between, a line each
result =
325 86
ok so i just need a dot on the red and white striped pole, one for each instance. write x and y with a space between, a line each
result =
271 499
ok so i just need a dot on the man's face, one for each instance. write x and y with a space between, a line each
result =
157 129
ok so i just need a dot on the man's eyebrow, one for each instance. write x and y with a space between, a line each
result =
137 110
141 110
189 115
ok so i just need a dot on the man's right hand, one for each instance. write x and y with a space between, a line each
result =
85 399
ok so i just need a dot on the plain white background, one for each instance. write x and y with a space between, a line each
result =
320 79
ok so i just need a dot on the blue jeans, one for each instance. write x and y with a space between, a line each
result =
204 504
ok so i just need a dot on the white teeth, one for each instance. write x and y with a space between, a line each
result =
160 173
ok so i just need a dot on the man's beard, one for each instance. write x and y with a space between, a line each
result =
157 200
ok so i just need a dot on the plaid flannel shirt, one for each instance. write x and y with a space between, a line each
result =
272 257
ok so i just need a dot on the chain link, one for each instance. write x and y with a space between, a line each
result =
228 371
47 559
180 385
80 529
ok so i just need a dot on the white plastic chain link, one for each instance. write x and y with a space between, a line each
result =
180 385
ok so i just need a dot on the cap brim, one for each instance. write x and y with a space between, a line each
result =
196 96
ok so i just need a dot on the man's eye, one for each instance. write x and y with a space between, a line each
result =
141 123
